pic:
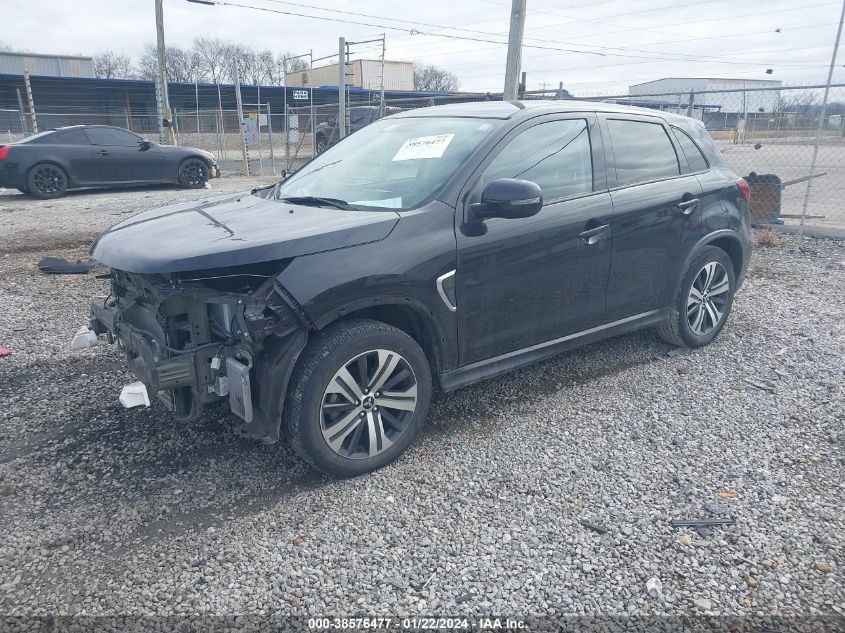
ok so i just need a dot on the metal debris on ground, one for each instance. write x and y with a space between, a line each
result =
59 266
701 522
595 528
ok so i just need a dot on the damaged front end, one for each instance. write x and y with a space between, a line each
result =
197 338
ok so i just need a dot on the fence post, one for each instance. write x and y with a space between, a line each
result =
217 134
270 137
691 104
175 123
24 127
287 138
128 122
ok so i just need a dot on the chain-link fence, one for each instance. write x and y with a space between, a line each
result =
767 135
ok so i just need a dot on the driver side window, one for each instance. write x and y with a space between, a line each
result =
555 155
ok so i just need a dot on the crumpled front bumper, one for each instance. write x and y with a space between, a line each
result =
144 363
251 365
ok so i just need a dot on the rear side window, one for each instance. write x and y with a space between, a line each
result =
695 157
643 151
76 137
111 136
555 155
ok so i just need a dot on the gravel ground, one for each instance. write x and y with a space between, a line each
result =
110 511
76 219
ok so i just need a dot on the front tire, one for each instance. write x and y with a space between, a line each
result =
193 173
358 398
703 302
46 180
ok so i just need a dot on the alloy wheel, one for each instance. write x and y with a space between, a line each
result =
368 404
194 173
48 180
708 298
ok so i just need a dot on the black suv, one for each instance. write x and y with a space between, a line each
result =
327 132
435 248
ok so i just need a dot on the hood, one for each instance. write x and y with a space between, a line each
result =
233 230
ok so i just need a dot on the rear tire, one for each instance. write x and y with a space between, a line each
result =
193 173
358 397
703 302
46 180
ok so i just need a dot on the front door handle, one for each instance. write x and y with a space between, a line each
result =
687 206
591 236
103 152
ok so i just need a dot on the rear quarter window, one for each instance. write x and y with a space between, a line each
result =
642 151
695 157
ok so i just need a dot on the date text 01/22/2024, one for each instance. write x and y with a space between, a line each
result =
416 623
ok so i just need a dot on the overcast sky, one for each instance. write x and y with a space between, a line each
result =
640 41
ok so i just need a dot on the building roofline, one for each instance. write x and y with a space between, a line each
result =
645 83
47 55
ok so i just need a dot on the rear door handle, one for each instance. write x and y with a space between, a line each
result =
103 152
591 236
687 206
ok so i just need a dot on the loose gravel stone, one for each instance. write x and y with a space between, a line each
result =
107 511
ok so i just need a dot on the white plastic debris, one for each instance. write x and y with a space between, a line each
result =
83 338
134 395
207 185
654 587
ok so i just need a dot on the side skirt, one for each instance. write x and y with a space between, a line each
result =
498 365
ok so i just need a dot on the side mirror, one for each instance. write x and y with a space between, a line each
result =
509 198
144 144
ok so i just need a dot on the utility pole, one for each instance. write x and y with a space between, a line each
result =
341 87
514 62
820 130
240 103
30 102
162 98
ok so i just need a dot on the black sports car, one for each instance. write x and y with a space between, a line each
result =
47 164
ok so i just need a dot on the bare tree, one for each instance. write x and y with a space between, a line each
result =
432 78
183 65
213 56
111 65
795 102
213 60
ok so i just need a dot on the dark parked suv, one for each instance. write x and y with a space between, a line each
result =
432 249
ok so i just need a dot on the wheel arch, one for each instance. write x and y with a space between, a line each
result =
49 161
403 313
190 157
726 239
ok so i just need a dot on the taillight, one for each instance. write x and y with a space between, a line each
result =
4 151
744 189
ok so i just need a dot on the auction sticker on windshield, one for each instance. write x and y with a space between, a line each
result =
424 147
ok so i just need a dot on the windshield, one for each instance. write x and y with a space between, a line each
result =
390 164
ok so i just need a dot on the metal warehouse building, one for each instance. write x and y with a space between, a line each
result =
744 98
361 73
50 65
